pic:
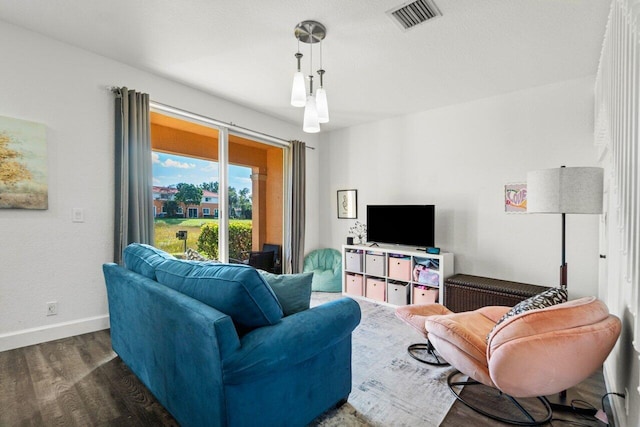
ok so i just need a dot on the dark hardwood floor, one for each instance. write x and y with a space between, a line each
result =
79 381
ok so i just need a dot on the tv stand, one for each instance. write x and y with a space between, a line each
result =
394 275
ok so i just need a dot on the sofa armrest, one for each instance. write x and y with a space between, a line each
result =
295 339
173 343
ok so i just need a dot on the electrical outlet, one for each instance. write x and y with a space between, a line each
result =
52 308
626 401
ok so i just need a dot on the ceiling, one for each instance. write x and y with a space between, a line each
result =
243 51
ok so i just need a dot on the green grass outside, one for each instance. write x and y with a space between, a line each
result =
166 229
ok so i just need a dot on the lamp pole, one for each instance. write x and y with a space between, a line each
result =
563 266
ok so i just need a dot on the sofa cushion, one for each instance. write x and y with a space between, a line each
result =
293 290
234 289
143 259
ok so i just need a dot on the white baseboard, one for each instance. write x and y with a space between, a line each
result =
617 404
42 334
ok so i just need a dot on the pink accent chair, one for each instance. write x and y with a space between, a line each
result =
415 316
532 354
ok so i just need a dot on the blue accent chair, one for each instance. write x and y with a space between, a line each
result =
211 344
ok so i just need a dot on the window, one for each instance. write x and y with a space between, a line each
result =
186 162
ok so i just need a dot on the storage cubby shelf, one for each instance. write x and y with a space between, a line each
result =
394 275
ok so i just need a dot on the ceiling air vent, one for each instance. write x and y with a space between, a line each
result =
410 14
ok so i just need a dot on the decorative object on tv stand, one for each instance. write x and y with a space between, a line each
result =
348 204
575 190
316 109
359 230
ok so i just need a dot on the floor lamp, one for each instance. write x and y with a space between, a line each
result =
565 191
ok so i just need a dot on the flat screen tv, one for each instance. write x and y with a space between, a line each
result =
410 225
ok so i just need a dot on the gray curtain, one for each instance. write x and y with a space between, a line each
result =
133 176
298 185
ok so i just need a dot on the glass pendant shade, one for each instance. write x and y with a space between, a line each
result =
311 123
298 91
322 106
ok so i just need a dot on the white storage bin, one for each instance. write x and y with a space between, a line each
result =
398 293
375 265
353 262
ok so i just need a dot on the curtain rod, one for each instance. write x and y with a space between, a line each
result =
169 109
230 126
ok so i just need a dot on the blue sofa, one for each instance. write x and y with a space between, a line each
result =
211 343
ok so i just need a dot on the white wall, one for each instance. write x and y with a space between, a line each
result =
459 159
46 257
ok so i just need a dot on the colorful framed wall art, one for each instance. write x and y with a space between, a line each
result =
515 198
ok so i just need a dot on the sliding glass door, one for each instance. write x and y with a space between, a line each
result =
224 190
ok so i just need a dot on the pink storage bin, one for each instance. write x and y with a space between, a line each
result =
400 268
375 289
354 284
424 295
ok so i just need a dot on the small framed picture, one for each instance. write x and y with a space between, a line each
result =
348 204
515 198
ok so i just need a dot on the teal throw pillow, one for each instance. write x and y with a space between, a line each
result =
292 290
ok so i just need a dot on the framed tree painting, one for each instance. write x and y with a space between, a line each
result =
348 204
23 165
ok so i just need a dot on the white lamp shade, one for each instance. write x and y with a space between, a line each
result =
565 190
321 104
311 123
298 90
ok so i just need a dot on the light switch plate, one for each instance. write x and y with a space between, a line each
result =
77 215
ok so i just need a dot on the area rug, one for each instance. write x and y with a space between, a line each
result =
389 387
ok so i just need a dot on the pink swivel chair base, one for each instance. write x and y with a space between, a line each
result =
426 353
415 316
526 419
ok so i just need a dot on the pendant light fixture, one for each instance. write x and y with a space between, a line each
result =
298 91
316 109
321 95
